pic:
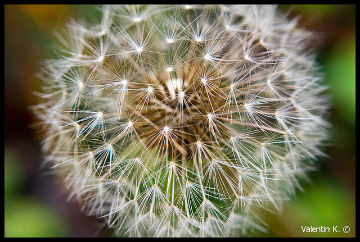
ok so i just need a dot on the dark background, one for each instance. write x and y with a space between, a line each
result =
35 201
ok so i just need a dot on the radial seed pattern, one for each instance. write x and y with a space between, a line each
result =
183 120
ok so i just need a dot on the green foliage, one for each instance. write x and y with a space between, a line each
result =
14 175
26 216
31 218
340 74
325 203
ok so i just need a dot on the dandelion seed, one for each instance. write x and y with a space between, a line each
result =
198 39
210 116
81 85
137 19
166 129
204 81
139 49
124 82
100 59
181 95
207 57
150 89
170 40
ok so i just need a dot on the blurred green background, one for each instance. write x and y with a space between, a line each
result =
35 201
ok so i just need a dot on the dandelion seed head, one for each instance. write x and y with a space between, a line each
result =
200 151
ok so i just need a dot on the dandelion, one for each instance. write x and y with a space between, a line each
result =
183 120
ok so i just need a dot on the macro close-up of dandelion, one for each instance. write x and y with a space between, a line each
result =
183 120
